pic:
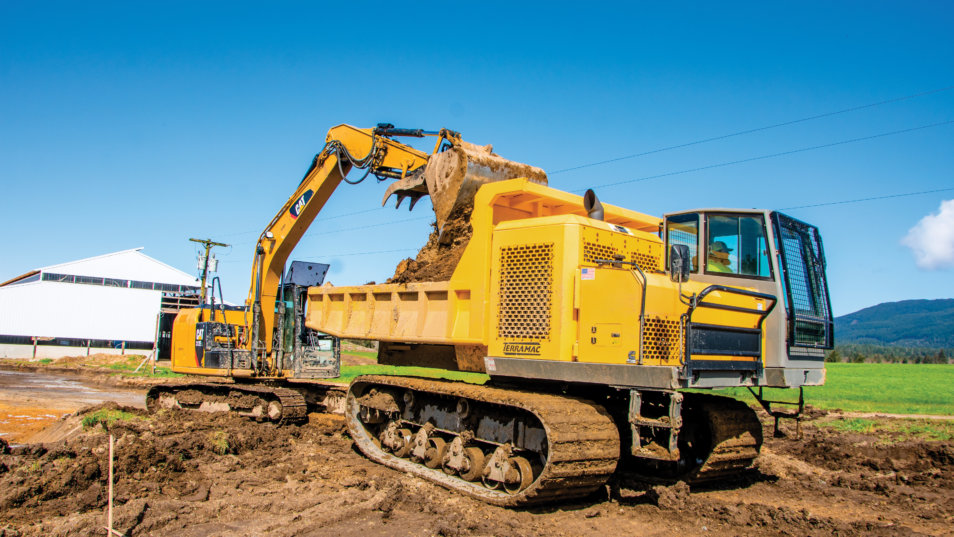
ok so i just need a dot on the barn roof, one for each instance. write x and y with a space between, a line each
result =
129 264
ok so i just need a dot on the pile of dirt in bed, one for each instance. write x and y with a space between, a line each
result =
438 259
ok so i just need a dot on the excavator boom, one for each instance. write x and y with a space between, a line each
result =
346 147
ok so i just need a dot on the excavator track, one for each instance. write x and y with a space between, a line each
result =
544 447
267 403
721 438
735 437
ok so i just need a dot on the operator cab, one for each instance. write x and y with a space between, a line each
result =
772 253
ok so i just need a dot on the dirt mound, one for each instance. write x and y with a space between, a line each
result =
866 464
782 520
436 261
97 359
194 474
153 452
672 497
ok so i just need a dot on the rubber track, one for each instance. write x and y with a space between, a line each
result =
736 438
582 440
294 407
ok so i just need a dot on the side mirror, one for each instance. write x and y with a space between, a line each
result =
679 264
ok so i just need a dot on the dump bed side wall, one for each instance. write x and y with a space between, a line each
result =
412 313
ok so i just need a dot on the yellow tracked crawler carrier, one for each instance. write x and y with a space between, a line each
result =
588 318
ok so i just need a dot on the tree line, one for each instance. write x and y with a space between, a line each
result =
866 353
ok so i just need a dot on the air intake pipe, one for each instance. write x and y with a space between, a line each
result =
592 205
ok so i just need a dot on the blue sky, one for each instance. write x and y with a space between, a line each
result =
126 124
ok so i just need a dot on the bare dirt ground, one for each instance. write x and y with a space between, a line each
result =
190 474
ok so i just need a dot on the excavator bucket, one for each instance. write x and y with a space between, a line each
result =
452 177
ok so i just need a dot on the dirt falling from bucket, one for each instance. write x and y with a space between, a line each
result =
436 261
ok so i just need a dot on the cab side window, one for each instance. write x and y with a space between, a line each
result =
684 229
735 244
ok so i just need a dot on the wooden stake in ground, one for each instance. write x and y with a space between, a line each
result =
109 505
143 362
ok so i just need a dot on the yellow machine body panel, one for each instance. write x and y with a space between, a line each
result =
537 281
455 312
188 337
555 296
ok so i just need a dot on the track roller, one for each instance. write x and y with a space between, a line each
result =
505 447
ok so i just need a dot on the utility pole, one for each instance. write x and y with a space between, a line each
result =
208 243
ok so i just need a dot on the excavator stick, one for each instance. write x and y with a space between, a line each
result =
453 176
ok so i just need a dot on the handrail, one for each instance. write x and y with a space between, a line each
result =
697 302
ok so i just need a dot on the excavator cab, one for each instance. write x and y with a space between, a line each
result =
309 353
219 344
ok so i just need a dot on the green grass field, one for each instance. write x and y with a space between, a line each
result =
889 388
363 354
348 372
893 429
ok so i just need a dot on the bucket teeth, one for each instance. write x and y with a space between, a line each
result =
412 186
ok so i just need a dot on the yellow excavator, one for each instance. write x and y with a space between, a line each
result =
589 319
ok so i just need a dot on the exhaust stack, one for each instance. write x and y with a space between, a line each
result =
592 205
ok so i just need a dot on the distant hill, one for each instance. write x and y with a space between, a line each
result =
908 323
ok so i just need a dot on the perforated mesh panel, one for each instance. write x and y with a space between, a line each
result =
806 288
593 251
645 261
662 339
526 291
800 276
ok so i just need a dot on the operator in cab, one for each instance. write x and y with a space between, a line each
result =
718 260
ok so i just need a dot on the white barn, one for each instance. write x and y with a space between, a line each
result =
104 304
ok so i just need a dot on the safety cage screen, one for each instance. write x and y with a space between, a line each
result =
806 289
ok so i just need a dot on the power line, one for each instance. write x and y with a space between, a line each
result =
382 224
772 155
867 199
349 254
353 228
377 252
317 221
723 164
757 129
669 174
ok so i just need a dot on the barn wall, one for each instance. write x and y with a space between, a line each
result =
52 309
57 351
